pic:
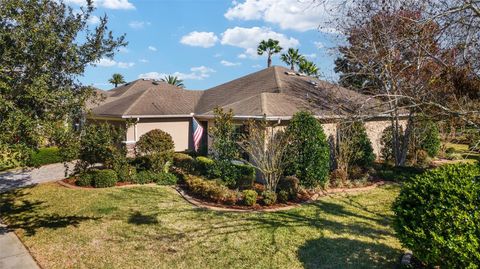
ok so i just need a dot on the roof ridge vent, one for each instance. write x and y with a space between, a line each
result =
155 82
290 73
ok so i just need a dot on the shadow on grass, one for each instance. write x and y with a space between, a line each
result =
346 253
138 218
18 212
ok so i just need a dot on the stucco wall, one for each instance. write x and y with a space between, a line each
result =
179 129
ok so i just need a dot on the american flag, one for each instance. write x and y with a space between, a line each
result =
197 134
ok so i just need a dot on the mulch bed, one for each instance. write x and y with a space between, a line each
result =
199 202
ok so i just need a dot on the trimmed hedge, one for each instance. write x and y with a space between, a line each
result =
45 156
290 186
184 161
269 197
166 179
97 178
207 167
162 178
104 178
210 190
437 216
245 176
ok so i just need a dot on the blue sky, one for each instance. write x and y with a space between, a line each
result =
207 42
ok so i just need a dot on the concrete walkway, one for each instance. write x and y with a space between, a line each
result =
31 176
13 254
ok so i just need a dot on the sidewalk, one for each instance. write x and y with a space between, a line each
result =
13 254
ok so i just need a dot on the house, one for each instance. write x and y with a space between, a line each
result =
275 93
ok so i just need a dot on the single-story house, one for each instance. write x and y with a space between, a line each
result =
275 93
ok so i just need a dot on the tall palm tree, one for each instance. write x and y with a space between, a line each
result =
270 47
292 58
173 80
116 79
308 68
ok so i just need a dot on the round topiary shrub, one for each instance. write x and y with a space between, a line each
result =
104 178
84 179
283 196
308 150
184 162
249 197
437 216
157 148
154 141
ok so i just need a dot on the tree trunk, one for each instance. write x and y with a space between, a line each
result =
292 67
269 62
406 140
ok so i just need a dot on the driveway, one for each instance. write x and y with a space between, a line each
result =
31 176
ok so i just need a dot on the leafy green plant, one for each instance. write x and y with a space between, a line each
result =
209 189
289 185
269 197
437 216
85 179
97 178
157 148
184 162
100 143
245 176
166 179
126 172
207 167
45 156
283 196
249 197
308 150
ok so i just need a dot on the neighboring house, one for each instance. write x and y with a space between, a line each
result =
275 93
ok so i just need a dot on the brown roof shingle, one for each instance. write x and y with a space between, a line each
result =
274 91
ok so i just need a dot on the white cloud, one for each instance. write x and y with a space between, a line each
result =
227 63
196 73
216 55
105 62
138 24
125 65
143 60
109 4
242 56
311 55
319 44
93 20
117 4
288 14
248 39
123 50
199 39
152 48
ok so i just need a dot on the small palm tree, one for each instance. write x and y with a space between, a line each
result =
292 58
116 79
270 47
308 68
173 80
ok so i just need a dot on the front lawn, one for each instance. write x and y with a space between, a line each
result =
153 227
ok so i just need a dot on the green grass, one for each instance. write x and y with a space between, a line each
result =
153 227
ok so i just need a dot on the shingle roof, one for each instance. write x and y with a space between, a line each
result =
274 91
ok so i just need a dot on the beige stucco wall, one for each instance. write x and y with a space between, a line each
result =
374 131
179 129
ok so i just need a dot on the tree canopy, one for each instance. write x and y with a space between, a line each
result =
44 47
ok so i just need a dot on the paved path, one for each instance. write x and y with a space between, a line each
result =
13 254
31 176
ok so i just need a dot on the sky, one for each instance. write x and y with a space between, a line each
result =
207 42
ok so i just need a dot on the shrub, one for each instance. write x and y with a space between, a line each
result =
427 137
269 197
145 177
249 197
209 189
45 156
103 178
85 179
338 178
308 149
353 146
356 172
153 142
156 148
283 196
207 167
184 162
166 179
289 185
386 141
224 146
437 216
245 176
12 155
99 144
126 173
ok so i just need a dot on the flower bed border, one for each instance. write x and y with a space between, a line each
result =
225 208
